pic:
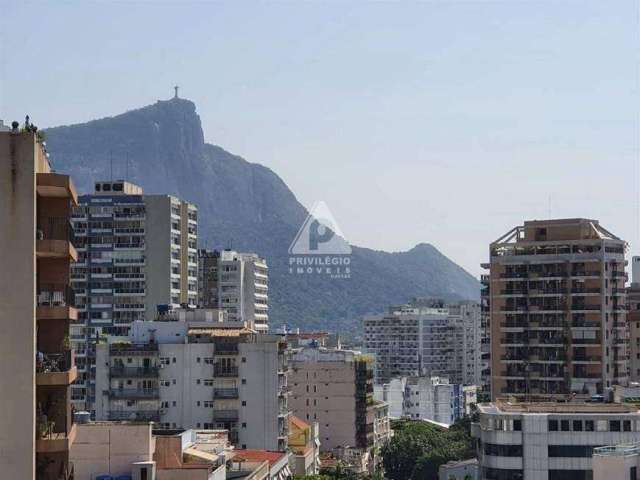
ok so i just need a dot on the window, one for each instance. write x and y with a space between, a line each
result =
174 360
517 425
244 403
502 450
633 473
614 425
244 424
626 425
553 425
571 451
174 403
198 359
244 359
198 381
244 381
577 425
588 426
601 425
564 425
198 403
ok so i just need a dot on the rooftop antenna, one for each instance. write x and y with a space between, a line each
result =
175 87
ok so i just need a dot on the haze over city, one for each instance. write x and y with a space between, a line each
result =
436 122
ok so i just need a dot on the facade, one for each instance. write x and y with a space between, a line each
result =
129 450
198 374
549 441
462 470
335 389
238 283
136 252
616 462
38 365
422 340
558 318
633 319
424 398
304 443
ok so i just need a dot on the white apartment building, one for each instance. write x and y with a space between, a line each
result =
238 283
200 373
424 398
416 340
549 441
135 252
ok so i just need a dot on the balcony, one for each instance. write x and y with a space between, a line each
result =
133 393
56 369
220 393
133 372
56 301
50 438
54 238
134 415
55 185
225 415
224 371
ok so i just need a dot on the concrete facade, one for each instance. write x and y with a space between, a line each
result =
422 340
557 306
198 375
238 283
36 425
549 441
136 252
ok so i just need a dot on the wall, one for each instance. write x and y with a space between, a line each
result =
157 251
110 448
17 294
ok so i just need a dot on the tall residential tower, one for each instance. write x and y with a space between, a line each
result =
37 365
557 306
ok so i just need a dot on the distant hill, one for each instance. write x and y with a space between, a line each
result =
248 206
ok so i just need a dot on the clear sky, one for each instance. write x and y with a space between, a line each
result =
444 122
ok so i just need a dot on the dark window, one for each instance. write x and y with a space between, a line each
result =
106 187
564 425
626 425
570 474
633 473
98 187
244 403
117 187
577 425
517 425
588 426
571 451
614 425
502 450
501 474
553 425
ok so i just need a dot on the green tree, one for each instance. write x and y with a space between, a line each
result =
418 449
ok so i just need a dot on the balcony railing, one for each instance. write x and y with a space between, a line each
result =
135 415
221 371
228 415
55 295
54 362
55 228
118 371
135 393
225 393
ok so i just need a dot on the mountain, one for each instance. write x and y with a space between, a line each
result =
247 206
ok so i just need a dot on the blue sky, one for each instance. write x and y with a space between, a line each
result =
440 122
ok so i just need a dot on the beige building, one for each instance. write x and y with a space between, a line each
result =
129 450
557 305
37 366
335 389
617 462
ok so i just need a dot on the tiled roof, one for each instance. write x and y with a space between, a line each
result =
258 456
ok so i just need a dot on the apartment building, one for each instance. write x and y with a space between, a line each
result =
424 398
616 462
304 443
549 441
485 331
198 373
136 252
238 283
37 365
558 317
335 389
421 340
633 320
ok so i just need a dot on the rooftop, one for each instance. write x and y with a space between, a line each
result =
505 406
258 456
